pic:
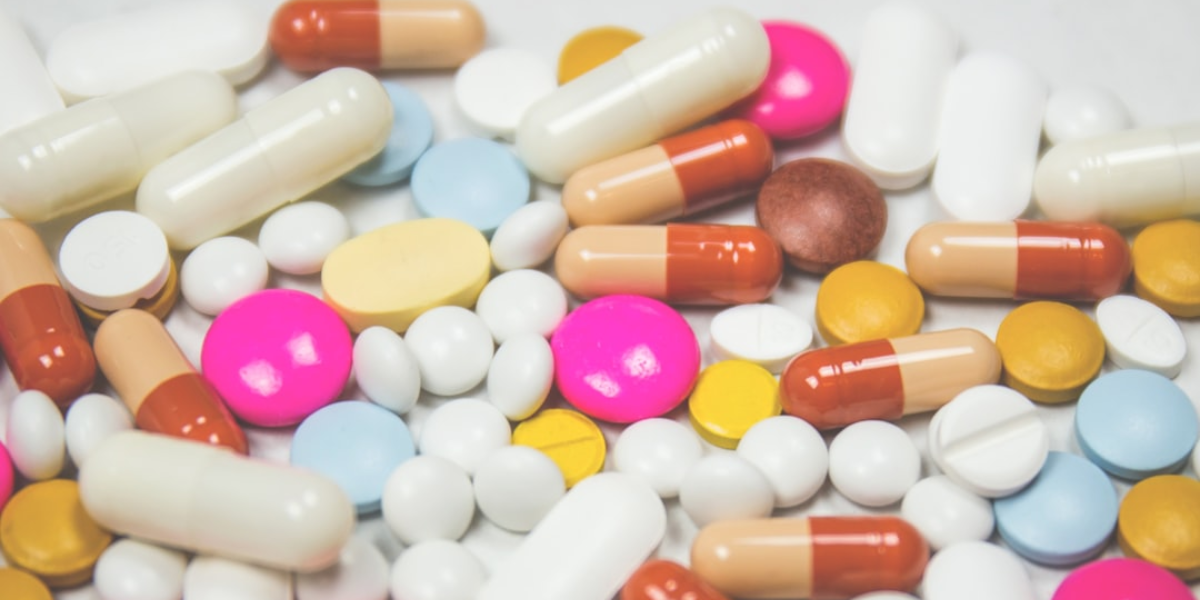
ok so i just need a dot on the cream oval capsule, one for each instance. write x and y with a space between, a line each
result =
208 500
277 153
678 176
653 89
677 263
29 93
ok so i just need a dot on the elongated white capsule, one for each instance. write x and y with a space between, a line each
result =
29 92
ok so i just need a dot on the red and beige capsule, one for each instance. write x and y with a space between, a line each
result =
678 176
665 580
886 379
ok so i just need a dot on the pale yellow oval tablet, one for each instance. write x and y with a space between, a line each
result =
391 275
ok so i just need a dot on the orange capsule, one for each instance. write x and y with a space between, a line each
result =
679 263
666 580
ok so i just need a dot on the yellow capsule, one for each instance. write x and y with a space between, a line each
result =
591 48
729 398
1050 351
573 441
1159 523
45 531
19 585
865 300
1166 266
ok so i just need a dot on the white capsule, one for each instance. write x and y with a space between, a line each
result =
92 419
1140 335
428 498
437 570
297 238
522 301
516 486
660 452
386 370
213 578
465 432
725 486
361 573
134 570
521 375
529 236
35 96
35 435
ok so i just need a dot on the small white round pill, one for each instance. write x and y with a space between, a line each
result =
361 573
213 578
36 435
1080 112
976 570
428 498
220 272
873 463
660 452
1140 335
791 453
296 239
516 486
529 236
453 348
946 513
92 419
522 301
465 432
764 334
495 88
437 570
111 260
386 370
521 375
134 570
725 486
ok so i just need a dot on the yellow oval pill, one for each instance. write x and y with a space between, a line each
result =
729 398
865 300
569 438
1166 266
19 585
44 530
1050 351
591 48
1159 522
391 275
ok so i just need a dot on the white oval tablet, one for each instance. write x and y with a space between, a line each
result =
92 419
465 432
873 463
134 570
220 272
521 375
35 96
428 498
361 573
1140 335
104 56
522 301
764 334
792 455
945 513
725 486
1080 112
296 238
976 570
386 370
111 260
516 486
437 570
453 348
495 87
213 578
36 435
529 236
659 452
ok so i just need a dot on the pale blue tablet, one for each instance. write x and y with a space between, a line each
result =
474 180
412 133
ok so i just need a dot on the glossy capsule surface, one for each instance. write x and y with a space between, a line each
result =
667 580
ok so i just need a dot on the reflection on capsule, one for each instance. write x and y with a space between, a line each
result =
666 580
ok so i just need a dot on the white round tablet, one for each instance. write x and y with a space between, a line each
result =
453 348
791 453
529 236
134 570
764 334
945 513
521 375
495 87
35 435
92 419
1080 112
386 370
428 498
990 440
516 486
725 486
437 570
976 570
213 578
660 452
873 463
361 573
465 432
111 260
220 272
522 301
296 239
1140 335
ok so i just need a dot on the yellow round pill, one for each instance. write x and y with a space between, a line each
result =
44 530
729 398
1166 266
19 585
1050 351
591 48
573 441
1159 522
865 300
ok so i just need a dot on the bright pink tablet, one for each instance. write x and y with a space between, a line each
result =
1122 579
806 86
277 356
6 476
625 358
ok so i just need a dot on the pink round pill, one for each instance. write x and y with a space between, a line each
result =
806 85
6 476
277 356
625 358
1122 579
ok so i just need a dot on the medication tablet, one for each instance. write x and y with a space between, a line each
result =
822 212
22 585
659 451
159 305
36 435
591 48
222 271
976 570
428 498
865 300
453 349
569 438
791 454
412 134
722 487
1079 112
37 95
529 236
945 513
277 356
1166 266
1140 335
212 578
134 570
520 376
111 260
990 440
1064 517
886 596
495 87
386 370
659 579
46 531
1122 579
465 432
516 486
1135 424
437 570
1051 351
473 180
643 368
92 419
296 239
522 301
873 463
1157 523
361 573
6 476
390 275
764 334
357 445
729 398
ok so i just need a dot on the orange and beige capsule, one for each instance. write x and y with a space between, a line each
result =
676 177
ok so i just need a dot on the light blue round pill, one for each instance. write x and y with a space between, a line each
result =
1064 517
357 444
1135 424
412 133
474 180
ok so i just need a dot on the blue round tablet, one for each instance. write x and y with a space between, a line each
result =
474 180
1135 424
355 443
412 133
1064 517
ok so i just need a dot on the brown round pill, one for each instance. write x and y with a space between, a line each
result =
823 213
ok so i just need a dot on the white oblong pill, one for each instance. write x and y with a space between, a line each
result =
873 463
296 239
522 301
111 260
495 87
29 93
386 370
453 348
91 420
521 375
428 498
214 578
437 570
764 334
361 573
791 453
220 272
1079 112
529 236
976 570
725 486
465 432
659 451
946 513
134 570
36 435
1140 335
990 130
516 486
